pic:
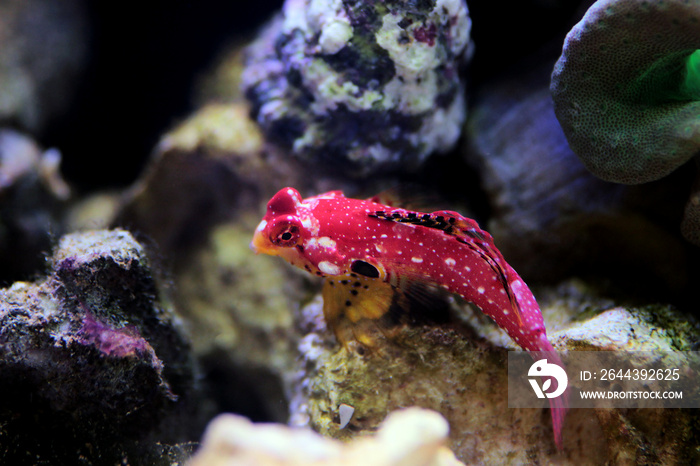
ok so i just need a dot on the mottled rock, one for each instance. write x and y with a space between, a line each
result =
33 197
92 361
42 53
410 437
627 91
361 87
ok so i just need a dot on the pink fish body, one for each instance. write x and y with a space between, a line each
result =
371 248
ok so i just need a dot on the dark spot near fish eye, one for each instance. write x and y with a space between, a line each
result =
363 268
354 292
452 220
300 248
331 282
353 275
440 218
356 284
344 282
319 274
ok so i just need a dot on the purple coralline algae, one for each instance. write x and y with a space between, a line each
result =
89 356
361 86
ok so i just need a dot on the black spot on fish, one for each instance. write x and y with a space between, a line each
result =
348 303
356 284
354 292
363 268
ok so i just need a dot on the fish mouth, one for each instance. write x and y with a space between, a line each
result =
260 245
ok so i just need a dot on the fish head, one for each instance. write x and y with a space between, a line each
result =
281 229
317 234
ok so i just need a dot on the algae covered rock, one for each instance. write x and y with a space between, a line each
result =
411 437
92 361
445 368
459 369
361 86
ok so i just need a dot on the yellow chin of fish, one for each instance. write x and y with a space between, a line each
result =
261 245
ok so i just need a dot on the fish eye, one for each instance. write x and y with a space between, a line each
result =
285 233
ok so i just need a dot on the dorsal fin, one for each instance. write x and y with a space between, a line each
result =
407 196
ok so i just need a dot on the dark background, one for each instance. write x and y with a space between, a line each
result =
145 58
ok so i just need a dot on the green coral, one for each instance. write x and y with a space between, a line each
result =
691 84
627 92
621 91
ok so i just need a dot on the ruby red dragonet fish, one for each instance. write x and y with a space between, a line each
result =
368 252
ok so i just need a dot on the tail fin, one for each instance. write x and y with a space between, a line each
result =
558 406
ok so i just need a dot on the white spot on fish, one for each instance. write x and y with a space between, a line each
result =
417 260
481 289
328 268
326 242
450 262
262 225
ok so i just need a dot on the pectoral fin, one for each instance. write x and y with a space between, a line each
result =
353 303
